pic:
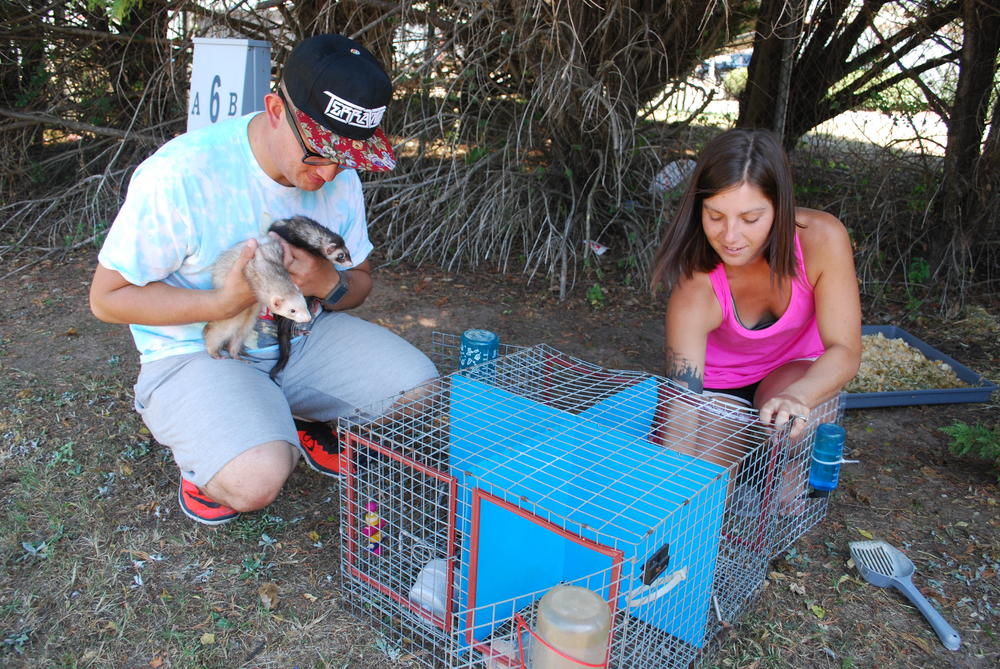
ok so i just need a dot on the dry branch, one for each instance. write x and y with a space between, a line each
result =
523 128
46 119
31 32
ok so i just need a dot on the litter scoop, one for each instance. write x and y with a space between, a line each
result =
883 565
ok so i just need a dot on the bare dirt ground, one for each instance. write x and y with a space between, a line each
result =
98 568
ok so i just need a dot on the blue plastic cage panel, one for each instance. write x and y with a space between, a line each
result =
547 496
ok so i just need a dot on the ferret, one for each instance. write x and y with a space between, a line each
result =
273 288
307 234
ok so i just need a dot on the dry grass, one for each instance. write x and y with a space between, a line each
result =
101 570
98 568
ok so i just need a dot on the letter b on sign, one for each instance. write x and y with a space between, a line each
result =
229 78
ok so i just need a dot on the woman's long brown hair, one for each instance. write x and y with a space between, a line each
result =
736 156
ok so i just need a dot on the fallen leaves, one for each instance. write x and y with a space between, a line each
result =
929 472
916 641
268 593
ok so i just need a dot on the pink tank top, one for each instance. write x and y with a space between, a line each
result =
736 356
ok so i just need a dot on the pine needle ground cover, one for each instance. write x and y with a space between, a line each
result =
98 568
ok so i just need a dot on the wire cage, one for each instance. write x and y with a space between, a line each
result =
481 490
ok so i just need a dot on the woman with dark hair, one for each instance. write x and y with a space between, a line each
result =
763 305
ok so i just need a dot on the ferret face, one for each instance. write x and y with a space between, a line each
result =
294 308
338 255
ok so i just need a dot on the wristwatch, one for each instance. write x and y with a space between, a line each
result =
339 291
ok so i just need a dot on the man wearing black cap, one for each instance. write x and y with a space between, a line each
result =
230 428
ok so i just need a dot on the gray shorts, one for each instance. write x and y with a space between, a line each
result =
208 411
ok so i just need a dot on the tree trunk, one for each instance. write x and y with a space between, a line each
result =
970 193
825 58
764 101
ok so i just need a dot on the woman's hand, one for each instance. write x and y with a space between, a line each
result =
783 408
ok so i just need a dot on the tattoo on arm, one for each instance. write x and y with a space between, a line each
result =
684 372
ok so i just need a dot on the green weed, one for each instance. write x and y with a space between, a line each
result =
135 451
250 527
42 549
629 264
976 440
596 296
256 567
918 273
81 232
919 198
919 270
475 154
63 459
15 641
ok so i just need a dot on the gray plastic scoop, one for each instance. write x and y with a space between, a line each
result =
883 565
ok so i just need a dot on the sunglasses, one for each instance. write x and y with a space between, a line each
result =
309 157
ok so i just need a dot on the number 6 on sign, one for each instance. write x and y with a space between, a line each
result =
229 78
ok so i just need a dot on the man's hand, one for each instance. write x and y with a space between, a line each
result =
235 294
114 300
314 276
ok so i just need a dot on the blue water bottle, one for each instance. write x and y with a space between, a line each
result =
827 455
477 346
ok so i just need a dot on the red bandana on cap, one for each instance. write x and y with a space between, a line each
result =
373 154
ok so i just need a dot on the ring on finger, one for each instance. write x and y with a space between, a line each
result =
795 416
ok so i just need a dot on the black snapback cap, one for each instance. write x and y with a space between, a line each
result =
339 84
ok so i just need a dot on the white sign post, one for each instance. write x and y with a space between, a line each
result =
229 78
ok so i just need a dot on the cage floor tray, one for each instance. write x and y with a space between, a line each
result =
979 389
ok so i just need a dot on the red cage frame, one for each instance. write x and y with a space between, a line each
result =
478 496
353 442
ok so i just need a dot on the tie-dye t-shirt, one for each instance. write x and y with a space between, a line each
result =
198 195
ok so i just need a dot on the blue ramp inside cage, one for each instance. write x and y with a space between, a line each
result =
629 411
561 497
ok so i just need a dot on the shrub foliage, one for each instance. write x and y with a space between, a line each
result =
523 128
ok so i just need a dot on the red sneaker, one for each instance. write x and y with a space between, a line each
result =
197 506
320 446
